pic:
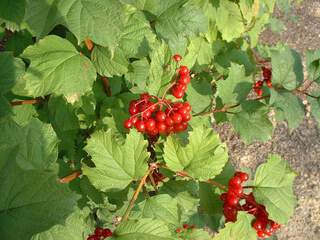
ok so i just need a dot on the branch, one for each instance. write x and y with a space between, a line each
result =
216 184
24 102
106 85
89 44
137 191
70 177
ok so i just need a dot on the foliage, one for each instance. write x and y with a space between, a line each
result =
70 72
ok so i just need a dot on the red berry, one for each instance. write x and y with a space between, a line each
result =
185 226
183 111
145 96
169 121
178 230
258 91
261 234
140 125
146 114
133 110
177 93
258 225
128 124
150 124
235 182
187 106
184 79
258 84
161 126
178 127
106 232
180 87
153 132
177 118
93 237
178 105
269 83
237 190
186 117
183 70
98 231
177 57
160 116
232 199
134 120
243 176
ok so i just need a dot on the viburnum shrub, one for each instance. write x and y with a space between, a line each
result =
107 116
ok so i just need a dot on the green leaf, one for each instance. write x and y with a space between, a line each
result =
199 51
98 20
62 114
253 123
11 70
36 143
31 201
236 87
161 207
315 108
109 63
138 74
185 194
240 230
143 229
313 65
159 75
38 147
202 158
56 67
288 107
116 166
199 94
178 22
198 234
102 21
76 227
229 20
18 42
136 36
12 11
273 183
287 70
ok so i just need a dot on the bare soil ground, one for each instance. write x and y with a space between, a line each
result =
300 147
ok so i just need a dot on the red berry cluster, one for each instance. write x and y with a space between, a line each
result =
182 79
100 233
154 116
264 226
267 75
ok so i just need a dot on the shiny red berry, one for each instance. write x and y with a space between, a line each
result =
184 79
237 190
243 176
177 118
133 110
93 237
258 225
160 116
232 199
98 231
106 232
128 124
140 126
177 57
258 91
235 181
169 121
186 117
177 93
183 70
162 127
261 234
150 124
187 106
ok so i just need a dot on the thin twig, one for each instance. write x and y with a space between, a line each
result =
136 193
89 44
70 177
106 85
24 102
167 89
153 182
216 184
